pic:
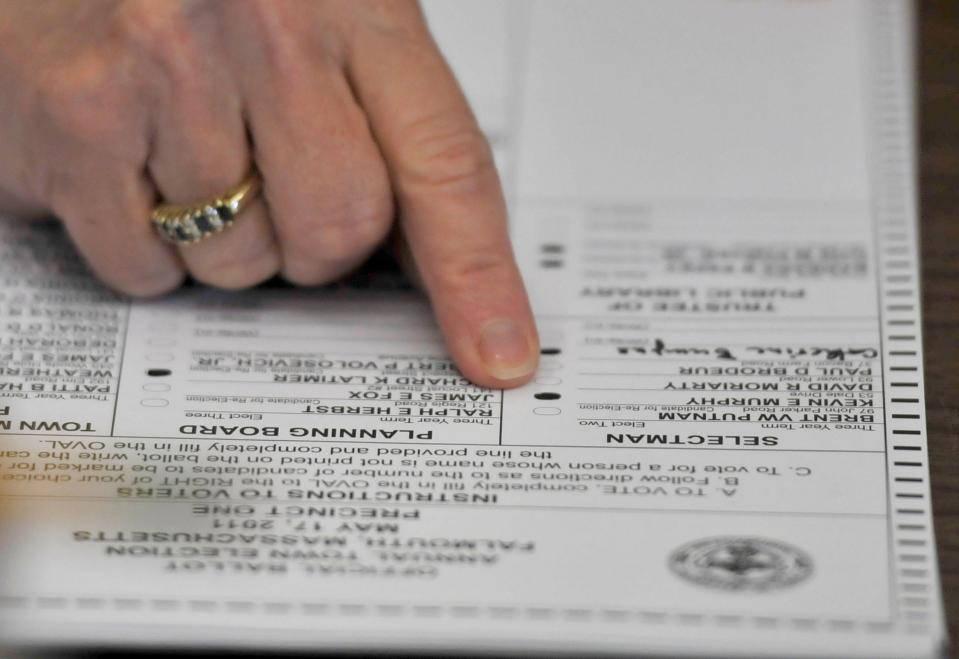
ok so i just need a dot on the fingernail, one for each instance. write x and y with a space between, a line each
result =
505 351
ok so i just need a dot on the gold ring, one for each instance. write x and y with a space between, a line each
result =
184 224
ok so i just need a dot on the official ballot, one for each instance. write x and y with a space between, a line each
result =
723 451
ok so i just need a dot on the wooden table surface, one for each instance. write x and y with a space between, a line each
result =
939 210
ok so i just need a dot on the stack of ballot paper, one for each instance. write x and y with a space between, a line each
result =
724 449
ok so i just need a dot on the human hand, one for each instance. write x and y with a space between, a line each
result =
347 109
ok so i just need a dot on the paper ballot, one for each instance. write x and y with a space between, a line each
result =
723 451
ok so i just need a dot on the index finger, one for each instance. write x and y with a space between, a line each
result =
451 204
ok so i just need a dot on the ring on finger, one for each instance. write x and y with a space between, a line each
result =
185 224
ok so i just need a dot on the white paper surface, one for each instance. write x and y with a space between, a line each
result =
723 452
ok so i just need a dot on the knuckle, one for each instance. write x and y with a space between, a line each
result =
159 31
401 20
141 22
345 231
71 100
145 284
271 27
473 270
235 270
290 46
458 159
317 272
270 18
